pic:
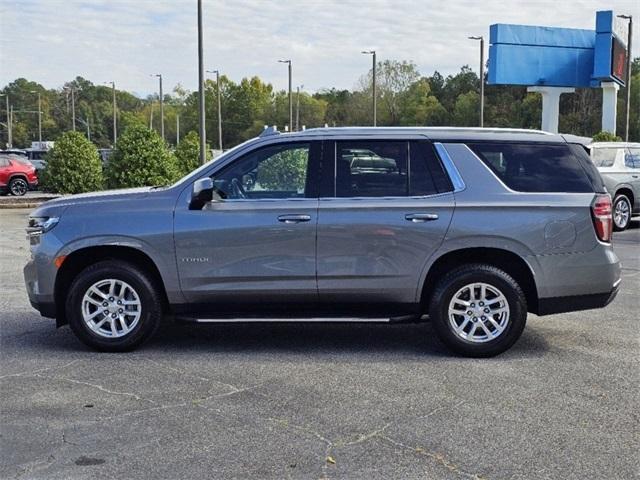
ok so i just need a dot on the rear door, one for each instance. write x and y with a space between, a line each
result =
632 162
384 209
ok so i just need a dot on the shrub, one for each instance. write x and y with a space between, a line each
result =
606 137
140 158
188 153
73 165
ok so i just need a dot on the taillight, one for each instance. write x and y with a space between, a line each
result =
601 214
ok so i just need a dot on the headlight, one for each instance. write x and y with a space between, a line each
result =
40 225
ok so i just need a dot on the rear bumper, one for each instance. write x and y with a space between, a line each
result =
549 306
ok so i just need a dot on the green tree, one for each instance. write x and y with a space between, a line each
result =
466 112
73 165
188 153
141 158
606 137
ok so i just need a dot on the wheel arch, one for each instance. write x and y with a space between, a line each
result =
508 261
81 258
627 192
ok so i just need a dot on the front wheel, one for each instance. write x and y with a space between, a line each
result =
113 306
478 310
621 212
18 186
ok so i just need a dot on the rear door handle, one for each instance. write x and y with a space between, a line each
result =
421 217
294 218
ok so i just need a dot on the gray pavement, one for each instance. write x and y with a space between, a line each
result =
319 401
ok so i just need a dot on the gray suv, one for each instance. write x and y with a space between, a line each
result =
619 165
470 227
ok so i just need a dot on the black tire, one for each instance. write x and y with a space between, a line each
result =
147 291
465 275
18 186
621 198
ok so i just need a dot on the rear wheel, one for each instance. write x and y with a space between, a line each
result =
478 310
621 212
113 306
18 186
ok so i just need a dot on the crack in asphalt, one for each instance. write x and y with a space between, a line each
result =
35 372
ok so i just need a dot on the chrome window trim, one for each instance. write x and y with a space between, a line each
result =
450 167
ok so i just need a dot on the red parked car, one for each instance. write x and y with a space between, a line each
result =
17 175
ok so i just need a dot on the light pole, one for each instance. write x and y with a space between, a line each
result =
203 133
373 85
9 139
86 123
217 72
39 117
290 98
177 129
298 106
159 75
115 132
481 38
73 109
628 79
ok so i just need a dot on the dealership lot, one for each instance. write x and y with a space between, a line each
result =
315 401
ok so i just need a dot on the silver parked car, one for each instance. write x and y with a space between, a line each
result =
619 165
470 227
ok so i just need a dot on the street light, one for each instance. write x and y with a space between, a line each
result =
298 106
203 133
217 72
115 133
628 79
39 117
481 38
9 133
290 98
159 75
373 83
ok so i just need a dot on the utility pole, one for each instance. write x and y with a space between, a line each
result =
373 85
177 129
481 38
217 72
628 79
40 117
203 133
73 109
290 96
9 139
115 132
159 75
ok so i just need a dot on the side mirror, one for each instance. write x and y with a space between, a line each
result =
201 194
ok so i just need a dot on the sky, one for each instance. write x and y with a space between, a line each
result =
52 41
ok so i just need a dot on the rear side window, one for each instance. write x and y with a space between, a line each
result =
632 158
604 157
426 174
534 167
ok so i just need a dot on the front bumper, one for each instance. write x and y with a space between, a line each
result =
44 303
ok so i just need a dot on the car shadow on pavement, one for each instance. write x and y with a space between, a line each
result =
402 339
407 340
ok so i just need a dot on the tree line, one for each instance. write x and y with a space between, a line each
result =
405 97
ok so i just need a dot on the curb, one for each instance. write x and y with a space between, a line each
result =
8 206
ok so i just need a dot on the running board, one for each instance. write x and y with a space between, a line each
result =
402 319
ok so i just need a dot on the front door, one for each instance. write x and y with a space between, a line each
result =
389 211
256 244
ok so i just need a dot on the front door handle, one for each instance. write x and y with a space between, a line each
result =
421 217
634 176
294 218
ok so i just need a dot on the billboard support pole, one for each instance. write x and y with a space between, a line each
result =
550 105
609 106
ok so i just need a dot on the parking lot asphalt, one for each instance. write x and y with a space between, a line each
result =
263 401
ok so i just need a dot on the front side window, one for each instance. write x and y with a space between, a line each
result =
632 158
276 171
534 167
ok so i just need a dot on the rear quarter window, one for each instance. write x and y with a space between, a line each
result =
534 167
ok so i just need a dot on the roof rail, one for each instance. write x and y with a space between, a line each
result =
273 130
